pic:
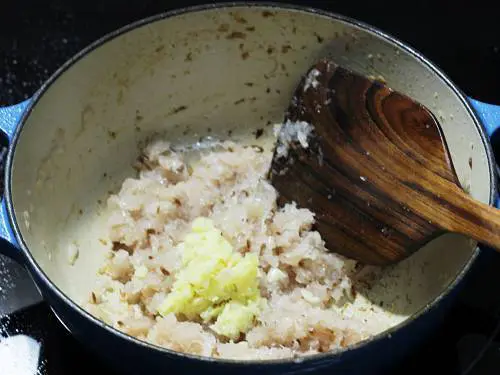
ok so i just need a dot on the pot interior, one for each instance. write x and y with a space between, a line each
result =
208 72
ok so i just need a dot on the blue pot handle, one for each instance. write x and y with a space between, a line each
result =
9 120
490 117
489 114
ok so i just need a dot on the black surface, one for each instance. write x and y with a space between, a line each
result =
462 37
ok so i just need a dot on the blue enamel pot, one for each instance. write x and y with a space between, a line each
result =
78 136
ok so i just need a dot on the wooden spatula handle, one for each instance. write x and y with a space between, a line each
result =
452 209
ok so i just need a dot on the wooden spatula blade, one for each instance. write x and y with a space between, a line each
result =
365 140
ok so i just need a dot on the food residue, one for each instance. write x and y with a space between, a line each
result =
292 132
311 79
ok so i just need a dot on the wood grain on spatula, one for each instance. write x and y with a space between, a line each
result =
376 172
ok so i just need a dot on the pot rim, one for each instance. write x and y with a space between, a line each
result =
384 335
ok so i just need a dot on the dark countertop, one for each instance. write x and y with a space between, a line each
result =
36 37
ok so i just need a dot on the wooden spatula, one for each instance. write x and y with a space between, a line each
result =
374 167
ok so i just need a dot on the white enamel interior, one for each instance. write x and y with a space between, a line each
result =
85 132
